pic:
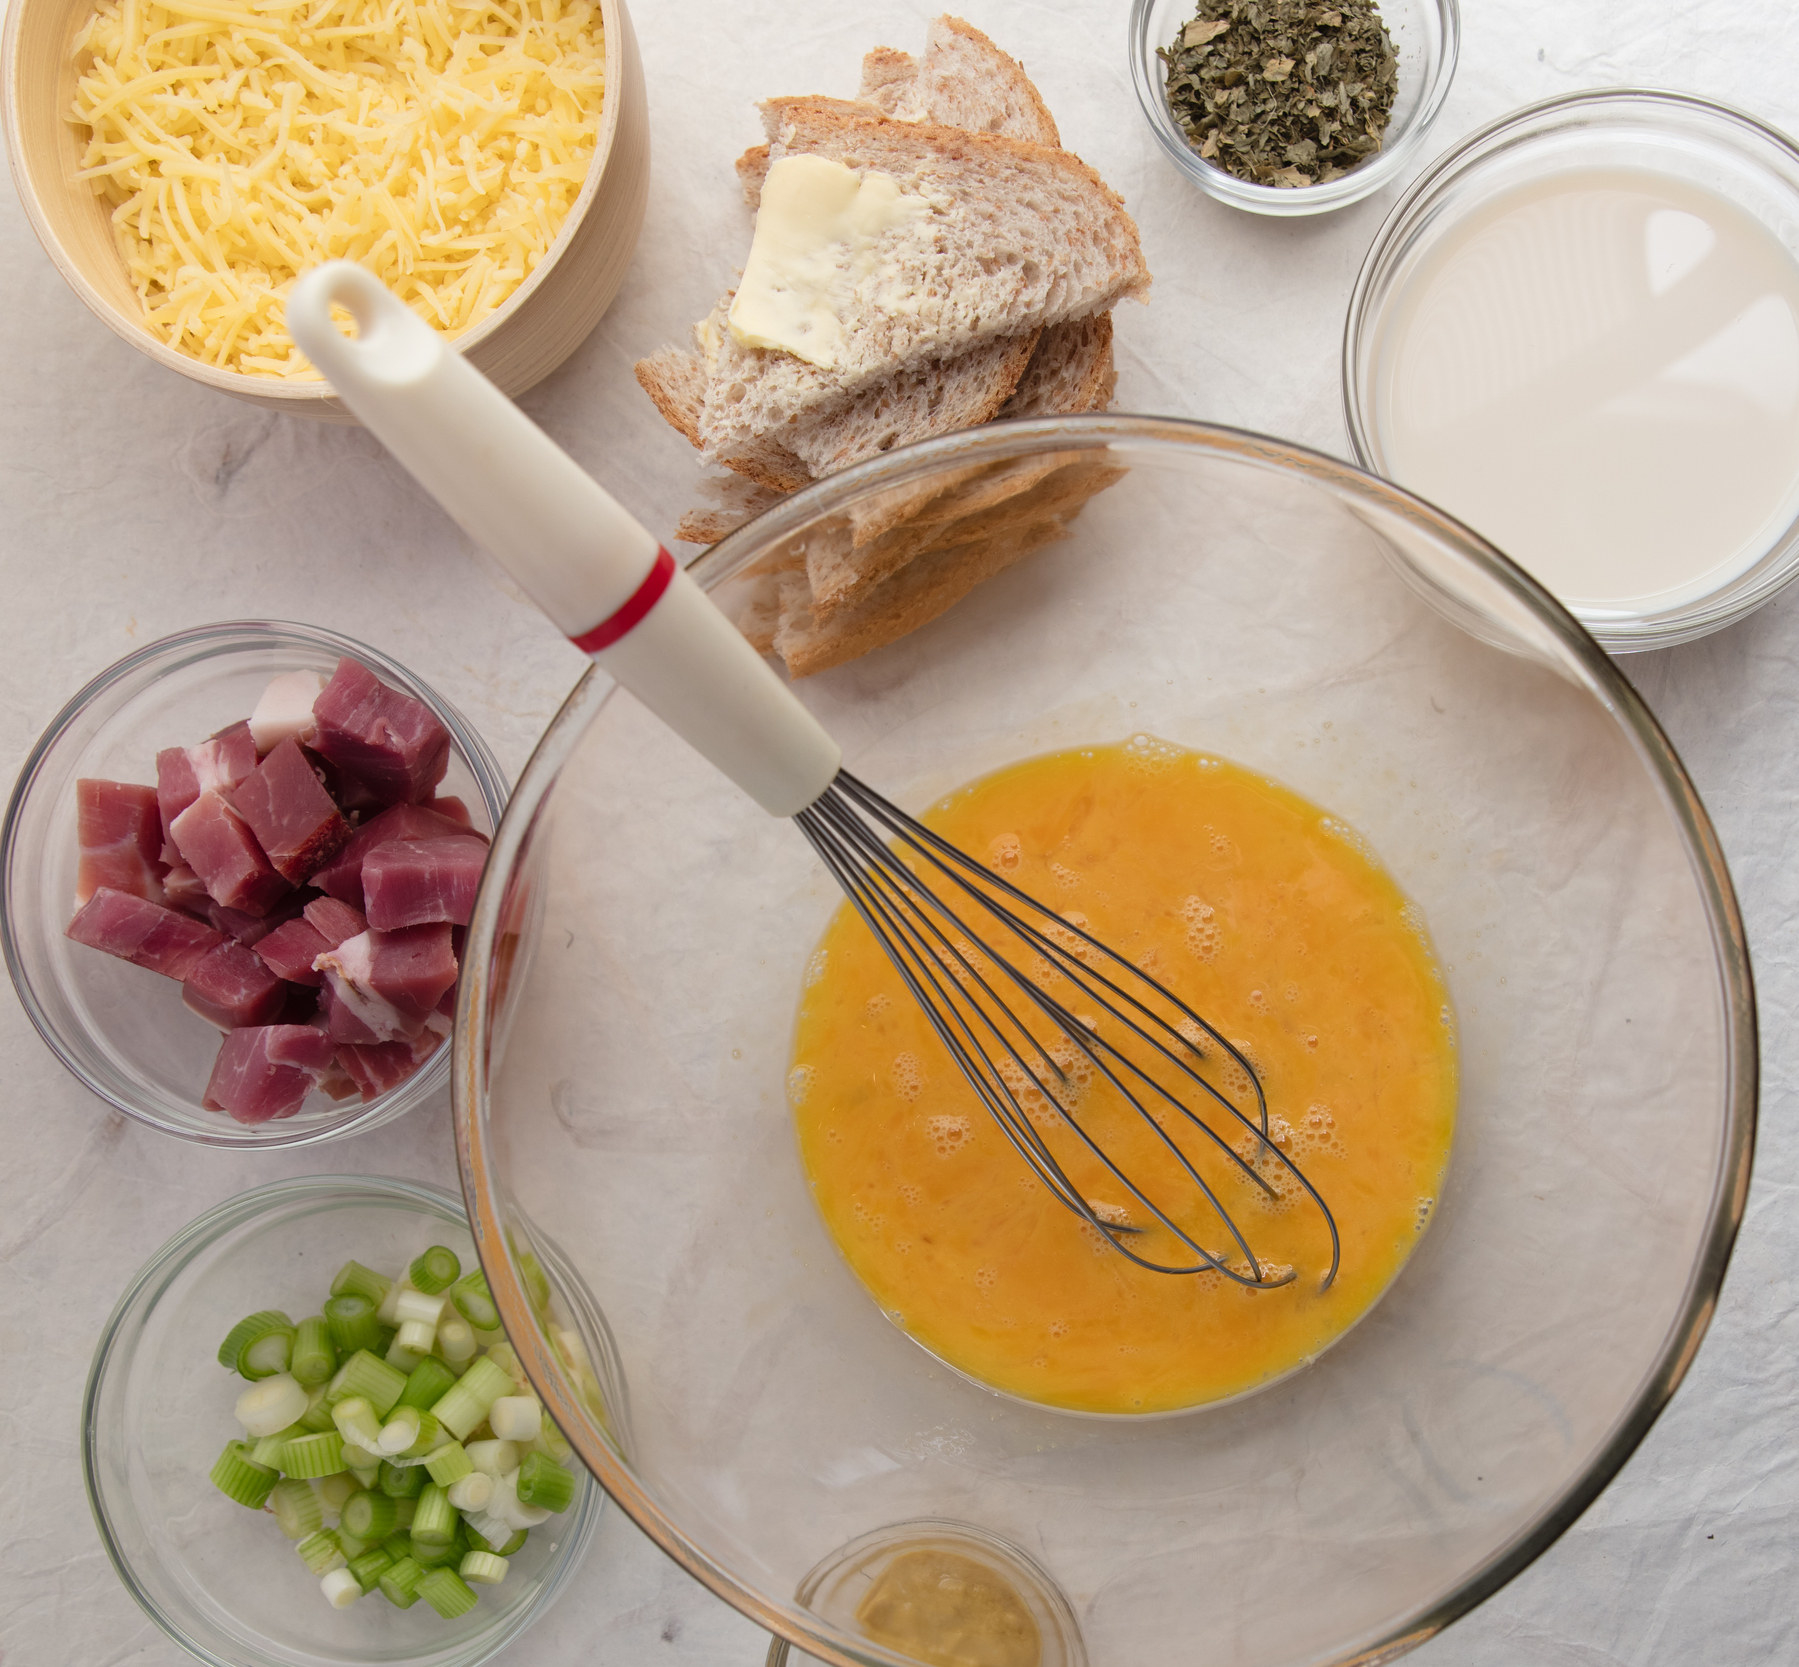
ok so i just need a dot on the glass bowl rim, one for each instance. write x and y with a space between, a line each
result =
1603 681
1292 201
175 1255
1516 128
216 639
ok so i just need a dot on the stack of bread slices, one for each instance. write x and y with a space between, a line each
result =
1028 251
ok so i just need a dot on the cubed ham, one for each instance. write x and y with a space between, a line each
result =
391 981
453 808
387 741
266 1071
343 878
144 933
385 1065
230 987
181 889
335 920
184 773
289 951
217 844
295 821
118 829
342 1023
407 882
249 929
284 711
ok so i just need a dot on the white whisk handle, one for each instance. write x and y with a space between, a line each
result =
580 556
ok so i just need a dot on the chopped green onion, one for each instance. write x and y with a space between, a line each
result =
503 1355
447 1592
515 1544
464 1406
320 1552
435 1270
417 1306
246 1331
334 1491
370 1516
399 1583
240 1477
471 1492
435 1519
455 1339
297 1508
516 1418
384 1342
270 1405
356 1421
315 1355
267 1355
352 1323
353 1279
429 1379
431 1436
401 1482
552 1443
370 1566
397 1545
352 1546
416 1337
544 1484
267 1449
487 1531
483 1568
494 1458
508 1507
385 1313
403 1359
314 1455
400 1431
474 1302
435 1556
450 1463
377 1382
535 1280
341 1588
362 1464
318 1409
406 1509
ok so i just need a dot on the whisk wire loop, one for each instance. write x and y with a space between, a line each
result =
885 860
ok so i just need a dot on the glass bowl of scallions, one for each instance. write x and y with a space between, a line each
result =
308 1443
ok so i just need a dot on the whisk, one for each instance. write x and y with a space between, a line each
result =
1077 1054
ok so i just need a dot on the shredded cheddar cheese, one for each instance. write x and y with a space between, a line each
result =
441 143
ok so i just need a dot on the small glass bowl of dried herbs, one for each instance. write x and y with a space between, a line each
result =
1292 106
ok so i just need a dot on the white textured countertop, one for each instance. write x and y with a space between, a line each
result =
132 504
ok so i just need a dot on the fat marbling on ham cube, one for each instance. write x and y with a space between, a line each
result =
342 879
184 773
217 844
143 933
118 829
296 822
231 987
384 740
377 1067
285 710
389 982
408 882
266 1071
335 920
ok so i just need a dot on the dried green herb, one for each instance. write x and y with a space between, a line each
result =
1283 92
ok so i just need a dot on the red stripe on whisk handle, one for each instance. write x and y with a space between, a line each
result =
624 619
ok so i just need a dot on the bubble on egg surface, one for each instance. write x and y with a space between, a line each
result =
1151 752
948 1134
799 1084
1204 935
1004 852
985 1278
1063 875
907 1075
815 968
877 1004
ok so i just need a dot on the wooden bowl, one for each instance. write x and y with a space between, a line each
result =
540 324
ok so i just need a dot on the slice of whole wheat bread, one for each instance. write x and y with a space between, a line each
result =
1017 236
963 80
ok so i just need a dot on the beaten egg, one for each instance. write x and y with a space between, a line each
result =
1259 911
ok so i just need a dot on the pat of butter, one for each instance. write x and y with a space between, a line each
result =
818 236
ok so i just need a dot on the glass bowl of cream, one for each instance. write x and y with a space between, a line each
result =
1579 332
624 1075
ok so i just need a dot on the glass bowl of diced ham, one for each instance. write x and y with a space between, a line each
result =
234 876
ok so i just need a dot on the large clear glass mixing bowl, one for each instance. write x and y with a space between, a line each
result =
638 950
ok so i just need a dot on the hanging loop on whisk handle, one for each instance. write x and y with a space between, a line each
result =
602 578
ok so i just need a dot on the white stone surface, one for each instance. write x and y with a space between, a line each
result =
132 504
